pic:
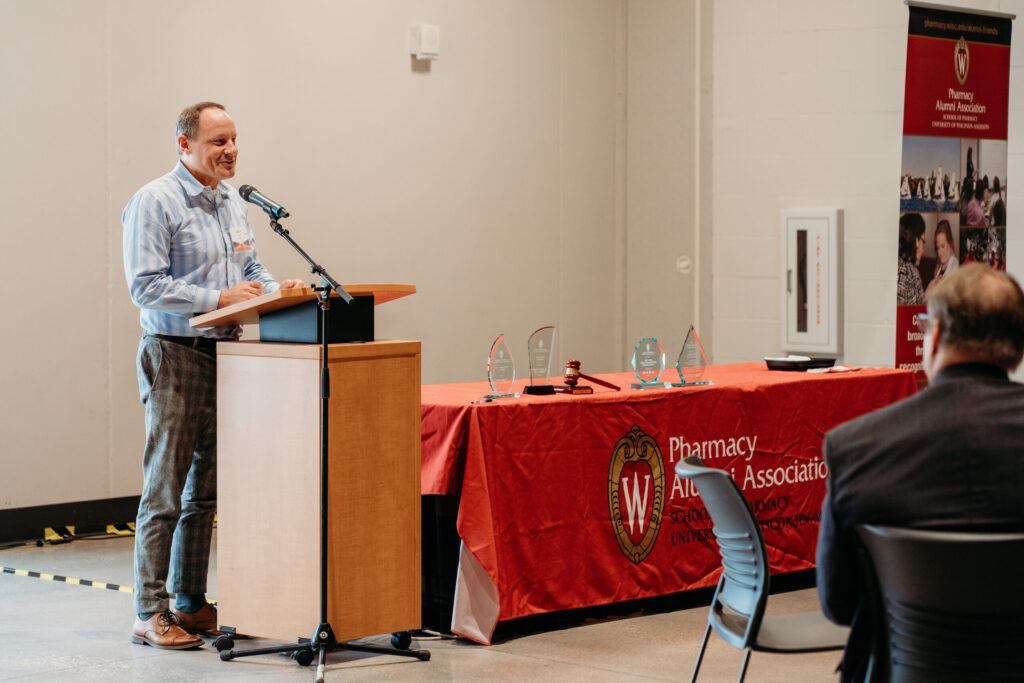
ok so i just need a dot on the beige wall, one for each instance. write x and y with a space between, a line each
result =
663 138
496 181
54 256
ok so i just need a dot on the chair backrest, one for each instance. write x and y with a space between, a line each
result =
952 603
743 586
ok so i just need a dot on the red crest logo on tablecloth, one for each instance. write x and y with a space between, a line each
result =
961 60
636 493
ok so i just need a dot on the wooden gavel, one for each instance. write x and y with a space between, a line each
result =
573 375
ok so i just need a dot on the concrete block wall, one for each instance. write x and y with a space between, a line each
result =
807 111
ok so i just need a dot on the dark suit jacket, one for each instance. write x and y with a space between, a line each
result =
950 457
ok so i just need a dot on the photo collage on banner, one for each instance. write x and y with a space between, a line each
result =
953 184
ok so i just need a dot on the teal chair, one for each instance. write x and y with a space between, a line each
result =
737 611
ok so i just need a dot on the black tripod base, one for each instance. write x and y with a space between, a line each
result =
305 651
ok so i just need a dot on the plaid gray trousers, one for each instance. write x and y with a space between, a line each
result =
178 387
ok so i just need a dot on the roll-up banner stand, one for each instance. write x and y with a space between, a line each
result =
954 191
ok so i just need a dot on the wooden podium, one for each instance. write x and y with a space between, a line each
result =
268 522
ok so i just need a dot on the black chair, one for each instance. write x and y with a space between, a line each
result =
738 608
949 606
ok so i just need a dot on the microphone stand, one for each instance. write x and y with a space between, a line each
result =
323 640
327 282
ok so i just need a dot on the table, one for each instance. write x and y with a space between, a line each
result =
571 501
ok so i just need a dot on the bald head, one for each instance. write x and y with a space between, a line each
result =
978 315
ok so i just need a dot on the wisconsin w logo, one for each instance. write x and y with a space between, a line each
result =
636 476
961 60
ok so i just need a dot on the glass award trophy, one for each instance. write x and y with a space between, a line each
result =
648 363
691 362
501 370
540 346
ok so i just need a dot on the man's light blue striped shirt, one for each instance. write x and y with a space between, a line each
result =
183 244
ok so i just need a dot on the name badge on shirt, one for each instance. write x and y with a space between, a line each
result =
240 238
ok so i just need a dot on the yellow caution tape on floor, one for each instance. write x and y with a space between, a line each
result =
68 579
74 581
59 534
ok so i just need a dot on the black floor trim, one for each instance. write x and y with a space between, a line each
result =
89 516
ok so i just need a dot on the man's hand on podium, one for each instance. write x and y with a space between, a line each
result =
243 291
292 284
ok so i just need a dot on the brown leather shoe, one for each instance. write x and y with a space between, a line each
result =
161 630
201 622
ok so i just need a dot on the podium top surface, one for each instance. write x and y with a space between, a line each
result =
249 312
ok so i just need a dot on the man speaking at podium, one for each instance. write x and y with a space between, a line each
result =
188 249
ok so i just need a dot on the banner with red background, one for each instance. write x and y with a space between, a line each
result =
953 185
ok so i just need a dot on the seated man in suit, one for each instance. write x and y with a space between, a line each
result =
950 457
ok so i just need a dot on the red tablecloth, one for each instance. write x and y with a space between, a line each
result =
569 501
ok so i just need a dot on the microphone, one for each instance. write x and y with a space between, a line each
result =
251 194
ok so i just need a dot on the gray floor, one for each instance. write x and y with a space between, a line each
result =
51 631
